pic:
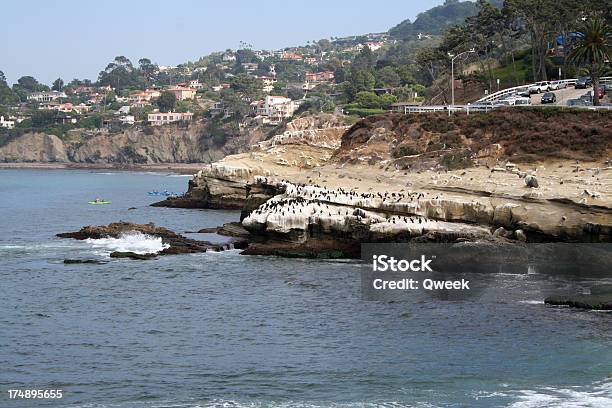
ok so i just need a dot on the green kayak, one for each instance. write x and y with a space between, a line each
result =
99 202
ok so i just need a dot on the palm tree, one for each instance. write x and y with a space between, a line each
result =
593 49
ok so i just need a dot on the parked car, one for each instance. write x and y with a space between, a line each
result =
540 87
584 83
601 92
607 88
519 100
556 85
578 102
525 94
549 97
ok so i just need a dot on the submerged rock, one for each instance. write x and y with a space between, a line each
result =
133 255
84 261
591 302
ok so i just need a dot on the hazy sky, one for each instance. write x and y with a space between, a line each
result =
76 39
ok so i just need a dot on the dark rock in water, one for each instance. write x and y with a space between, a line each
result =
312 249
133 255
241 244
178 244
84 261
591 302
131 208
212 230
233 229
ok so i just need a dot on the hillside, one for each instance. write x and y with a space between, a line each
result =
436 20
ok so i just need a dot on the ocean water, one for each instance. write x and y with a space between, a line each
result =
225 330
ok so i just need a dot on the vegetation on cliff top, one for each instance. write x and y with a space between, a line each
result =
523 135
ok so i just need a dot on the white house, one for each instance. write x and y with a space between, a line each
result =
275 108
46 96
9 124
160 118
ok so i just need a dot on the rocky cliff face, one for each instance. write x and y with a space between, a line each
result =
164 144
35 147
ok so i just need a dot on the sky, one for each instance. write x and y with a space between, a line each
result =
77 39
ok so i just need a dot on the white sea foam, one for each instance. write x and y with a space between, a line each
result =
597 396
136 242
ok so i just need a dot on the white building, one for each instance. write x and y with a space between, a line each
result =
127 119
46 96
9 124
159 118
275 108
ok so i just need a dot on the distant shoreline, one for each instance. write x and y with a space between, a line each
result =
179 168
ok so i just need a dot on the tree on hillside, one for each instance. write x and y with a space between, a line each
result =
58 84
365 59
543 21
247 87
7 97
148 70
387 78
593 49
26 85
29 83
120 74
166 101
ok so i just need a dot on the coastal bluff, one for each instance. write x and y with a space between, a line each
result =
395 178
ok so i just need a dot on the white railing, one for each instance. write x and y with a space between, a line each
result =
510 91
489 107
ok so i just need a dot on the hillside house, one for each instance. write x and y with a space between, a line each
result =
46 96
375 45
312 79
8 124
274 109
287 56
182 93
249 67
160 118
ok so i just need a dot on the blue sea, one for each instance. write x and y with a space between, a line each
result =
225 330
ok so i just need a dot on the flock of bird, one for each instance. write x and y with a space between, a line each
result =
312 199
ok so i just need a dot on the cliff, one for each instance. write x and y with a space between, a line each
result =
136 145
396 178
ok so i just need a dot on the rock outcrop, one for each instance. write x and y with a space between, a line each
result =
175 243
35 147
395 178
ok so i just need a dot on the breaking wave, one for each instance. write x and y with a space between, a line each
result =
136 242
599 396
